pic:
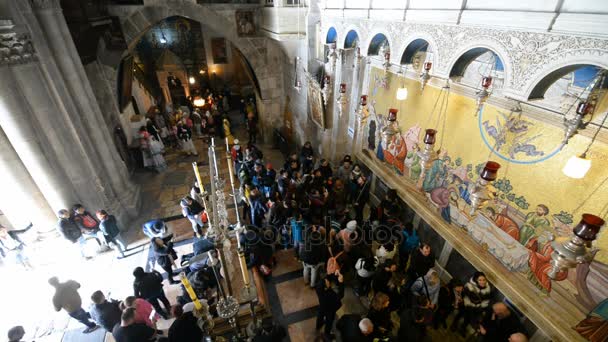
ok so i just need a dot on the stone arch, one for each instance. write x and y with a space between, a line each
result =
342 42
366 41
424 36
254 49
331 36
549 74
370 38
487 44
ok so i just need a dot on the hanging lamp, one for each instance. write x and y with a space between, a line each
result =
425 76
583 108
342 99
402 91
483 191
578 166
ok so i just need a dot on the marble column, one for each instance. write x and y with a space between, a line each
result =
21 201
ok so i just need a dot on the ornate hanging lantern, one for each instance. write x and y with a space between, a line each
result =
332 56
483 191
387 61
362 112
425 76
390 128
342 99
576 123
483 94
578 250
326 89
428 154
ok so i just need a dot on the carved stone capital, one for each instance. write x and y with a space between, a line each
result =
15 48
45 4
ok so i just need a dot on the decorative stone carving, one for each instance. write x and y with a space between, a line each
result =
527 56
45 4
16 48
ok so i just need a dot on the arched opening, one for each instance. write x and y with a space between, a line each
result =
476 64
416 53
178 60
561 88
378 41
352 40
332 36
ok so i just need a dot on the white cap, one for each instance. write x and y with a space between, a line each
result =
236 141
351 225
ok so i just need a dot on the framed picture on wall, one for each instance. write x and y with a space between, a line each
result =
245 26
315 103
218 51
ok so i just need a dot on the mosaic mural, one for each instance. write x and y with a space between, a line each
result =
534 200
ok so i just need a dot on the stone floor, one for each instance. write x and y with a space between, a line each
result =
292 303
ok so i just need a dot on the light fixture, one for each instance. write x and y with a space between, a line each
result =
198 102
482 190
390 128
201 71
387 60
425 76
163 40
482 95
428 154
191 80
577 166
578 249
332 56
576 123
402 91
357 58
362 112
326 91
342 100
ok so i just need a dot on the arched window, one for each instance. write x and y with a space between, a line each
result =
378 41
416 53
561 88
477 63
352 40
332 35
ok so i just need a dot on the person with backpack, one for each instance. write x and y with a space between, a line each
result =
89 226
409 242
365 267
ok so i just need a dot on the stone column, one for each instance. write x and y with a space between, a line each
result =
21 200
21 127
101 177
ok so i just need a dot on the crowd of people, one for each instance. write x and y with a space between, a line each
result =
177 128
317 210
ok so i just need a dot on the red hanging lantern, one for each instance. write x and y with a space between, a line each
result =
392 114
428 65
486 82
490 171
429 137
589 227
387 56
342 88
363 100
584 108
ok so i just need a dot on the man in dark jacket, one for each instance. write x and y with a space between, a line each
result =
105 312
422 260
150 287
354 329
313 255
165 256
70 231
109 227
499 324
329 292
192 210
185 327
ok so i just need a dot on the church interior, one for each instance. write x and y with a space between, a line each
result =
304 170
